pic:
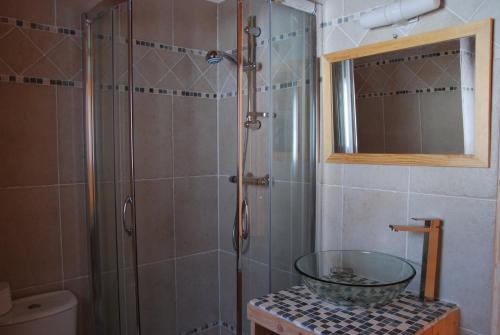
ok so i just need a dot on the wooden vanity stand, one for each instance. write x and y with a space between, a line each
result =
276 314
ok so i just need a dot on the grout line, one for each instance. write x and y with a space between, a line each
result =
17 290
76 278
417 193
11 188
407 235
61 244
219 263
177 258
454 196
173 200
161 261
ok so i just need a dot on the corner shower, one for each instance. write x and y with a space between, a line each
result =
201 159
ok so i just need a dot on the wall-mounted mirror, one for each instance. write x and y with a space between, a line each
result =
419 100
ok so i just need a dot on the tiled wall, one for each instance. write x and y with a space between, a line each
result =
360 201
42 202
177 165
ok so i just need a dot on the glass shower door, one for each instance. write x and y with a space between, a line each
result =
281 214
109 167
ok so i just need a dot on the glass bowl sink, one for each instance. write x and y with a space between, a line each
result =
355 277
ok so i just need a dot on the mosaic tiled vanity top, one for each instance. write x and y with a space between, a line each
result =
405 315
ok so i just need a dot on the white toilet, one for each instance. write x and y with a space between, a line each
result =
52 313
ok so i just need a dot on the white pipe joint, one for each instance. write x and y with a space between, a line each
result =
399 11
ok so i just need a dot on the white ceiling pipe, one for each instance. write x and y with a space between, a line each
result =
399 11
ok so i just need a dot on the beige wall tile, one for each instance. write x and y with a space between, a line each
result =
69 12
70 118
195 24
28 141
157 298
369 213
153 20
155 220
31 240
82 290
41 11
196 217
195 137
18 51
200 293
67 55
153 136
467 246
74 231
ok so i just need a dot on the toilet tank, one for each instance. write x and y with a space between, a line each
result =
53 313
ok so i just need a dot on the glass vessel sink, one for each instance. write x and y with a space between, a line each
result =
355 277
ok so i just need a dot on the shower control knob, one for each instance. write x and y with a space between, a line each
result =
254 31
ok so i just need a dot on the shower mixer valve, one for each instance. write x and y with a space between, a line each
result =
254 31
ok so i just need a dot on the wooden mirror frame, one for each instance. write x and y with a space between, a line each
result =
482 31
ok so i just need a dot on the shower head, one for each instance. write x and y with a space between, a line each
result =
216 56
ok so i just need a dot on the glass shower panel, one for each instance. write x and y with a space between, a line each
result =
255 251
112 249
292 47
281 214
105 239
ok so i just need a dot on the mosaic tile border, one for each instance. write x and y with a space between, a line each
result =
37 26
169 47
201 328
273 87
14 79
341 20
228 326
208 326
427 90
159 90
407 58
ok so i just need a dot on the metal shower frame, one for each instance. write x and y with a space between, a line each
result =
87 22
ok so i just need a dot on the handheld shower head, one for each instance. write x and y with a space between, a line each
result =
216 56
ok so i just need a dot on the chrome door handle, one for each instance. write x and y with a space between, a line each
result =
246 225
127 202
246 221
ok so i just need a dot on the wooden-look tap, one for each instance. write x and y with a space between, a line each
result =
430 255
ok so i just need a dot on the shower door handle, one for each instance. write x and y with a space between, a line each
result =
126 203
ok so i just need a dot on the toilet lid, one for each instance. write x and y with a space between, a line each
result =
38 306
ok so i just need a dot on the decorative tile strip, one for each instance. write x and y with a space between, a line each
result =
407 58
228 326
341 20
426 90
266 88
201 328
37 26
39 81
168 47
277 38
159 90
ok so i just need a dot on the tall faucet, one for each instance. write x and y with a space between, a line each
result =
430 255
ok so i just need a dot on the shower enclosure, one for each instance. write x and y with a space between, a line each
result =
200 134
